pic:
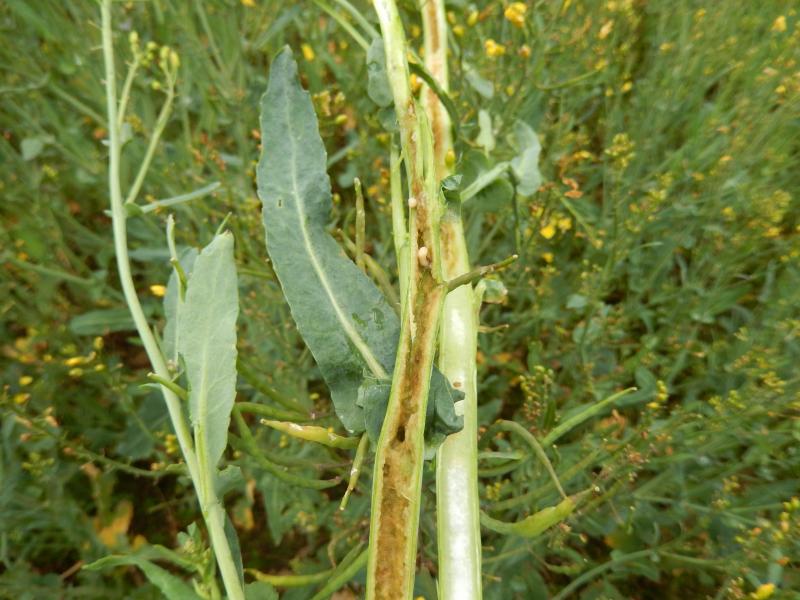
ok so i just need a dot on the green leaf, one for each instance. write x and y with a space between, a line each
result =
441 418
373 397
344 319
260 590
526 164
171 586
451 188
347 569
378 88
236 549
33 146
206 338
228 479
102 321
479 83
577 301
485 137
493 291
171 303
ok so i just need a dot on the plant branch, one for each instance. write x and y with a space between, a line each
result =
457 496
361 226
161 122
479 272
210 506
397 484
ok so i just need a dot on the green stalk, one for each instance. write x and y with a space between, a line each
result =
399 230
361 219
343 23
457 499
161 123
202 479
394 519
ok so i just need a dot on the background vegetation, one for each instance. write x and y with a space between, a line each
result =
660 252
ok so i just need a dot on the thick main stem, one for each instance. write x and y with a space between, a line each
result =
397 484
457 500
212 511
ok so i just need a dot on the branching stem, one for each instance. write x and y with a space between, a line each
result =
457 499
397 483
211 508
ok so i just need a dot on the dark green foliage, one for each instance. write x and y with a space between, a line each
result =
661 252
349 326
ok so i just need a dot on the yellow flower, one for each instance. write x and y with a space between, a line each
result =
25 380
764 591
415 83
779 25
515 13
605 30
524 51
249 3
308 52
547 257
548 231
472 18
493 49
158 290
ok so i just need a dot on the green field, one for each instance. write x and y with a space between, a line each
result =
658 249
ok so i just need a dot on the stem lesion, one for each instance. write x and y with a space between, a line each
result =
399 453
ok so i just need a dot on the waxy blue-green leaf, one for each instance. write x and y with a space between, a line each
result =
172 300
526 163
173 588
206 339
344 319
378 88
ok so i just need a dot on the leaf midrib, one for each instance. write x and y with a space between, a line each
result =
201 429
361 345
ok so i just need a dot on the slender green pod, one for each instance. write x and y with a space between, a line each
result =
313 433
535 524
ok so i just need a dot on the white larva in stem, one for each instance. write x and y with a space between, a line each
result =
422 256
412 202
